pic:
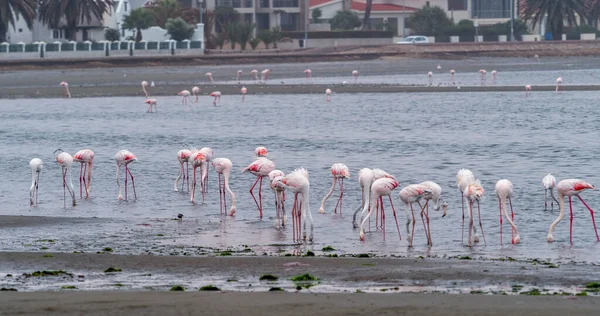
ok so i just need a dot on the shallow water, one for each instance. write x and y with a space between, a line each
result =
416 137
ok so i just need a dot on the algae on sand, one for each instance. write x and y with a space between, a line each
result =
111 269
177 288
304 277
268 277
209 287
51 273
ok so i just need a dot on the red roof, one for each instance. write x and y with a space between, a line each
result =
375 7
314 3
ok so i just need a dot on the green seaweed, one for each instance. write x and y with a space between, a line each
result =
225 253
359 291
368 264
303 278
583 293
533 292
46 240
119 284
298 288
309 254
177 288
477 292
232 280
107 249
332 255
362 255
268 277
51 273
287 255
276 289
48 255
68 287
328 248
209 287
44 248
159 235
111 269
8 289
593 285
465 258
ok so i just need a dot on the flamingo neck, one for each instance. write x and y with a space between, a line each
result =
561 204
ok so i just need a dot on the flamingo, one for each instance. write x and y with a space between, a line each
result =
260 168
494 73
216 95
559 81
549 182
430 75
265 75
339 172
185 94
570 188
297 182
279 190
36 165
474 192
144 85
355 75
124 158
261 152
66 161
328 95
151 102
238 76
439 67
223 167
183 156
66 91
366 178
409 195
527 90
244 91
537 58
380 188
254 73
208 154
198 160
464 178
483 76
210 77
308 74
505 191
436 199
196 91
452 72
86 158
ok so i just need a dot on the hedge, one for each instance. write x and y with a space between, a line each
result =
339 34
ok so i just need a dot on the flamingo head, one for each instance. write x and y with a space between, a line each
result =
452 71
198 156
430 74
261 151
528 87
150 101
474 191
64 84
239 72
244 90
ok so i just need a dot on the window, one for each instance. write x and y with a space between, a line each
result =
125 5
457 5
57 34
490 9
262 21
285 3
20 30
290 21
264 3
229 3
247 3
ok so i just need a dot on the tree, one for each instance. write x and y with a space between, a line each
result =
208 17
112 35
231 32
345 20
557 13
139 19
465 28
244 33
316 14
11 10
276 36
220 39
367 19
265 37
593 12
225 16
179 29
164 10
429 21
74 12
254 42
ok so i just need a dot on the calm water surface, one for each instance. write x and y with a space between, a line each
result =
416 137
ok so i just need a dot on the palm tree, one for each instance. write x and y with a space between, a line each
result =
11 10
367 20
557 12
164 10
593 10
72 12
139 19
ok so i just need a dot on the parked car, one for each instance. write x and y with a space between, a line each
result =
415 39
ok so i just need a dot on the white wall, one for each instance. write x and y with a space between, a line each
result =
331 42
328 11
14 36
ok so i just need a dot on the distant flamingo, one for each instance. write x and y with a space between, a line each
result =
144 85
254 73
223 167
261 152
339 172
483 76
494 73
380 188
537 58
152 103
549 182
86 158
265 75
328 95
36 165
527 90
66 161
195 91
464 178
355 75
474 192
430 76
308 74
439 67
452 72
216 95
124 158
570 188
505 191
208 154
198 160
559 81
244 91
409 195
210 77
185 94
260 168
297 182
183 156
238 76
279 190
66 91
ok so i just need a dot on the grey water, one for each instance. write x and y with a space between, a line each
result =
415 137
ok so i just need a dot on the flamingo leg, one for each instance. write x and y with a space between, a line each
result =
512 240
253 197
80 181
545 199
187 175
339 202
37 184
570 209
260 196
411 234
125 182
500 208
395 217
481 225
132 183
192 195
179 176
86 183
462 227
428 228
294 219
382 217
276 210
362 204
64 172
591 213
376 216
423 220
282 201
470 222
220 197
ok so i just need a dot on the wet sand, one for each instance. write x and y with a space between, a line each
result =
148 303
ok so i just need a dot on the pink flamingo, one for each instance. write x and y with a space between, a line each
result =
152 103
260 168
505 191
216 95
279 190
254 73
183 156
196 91
208 154
494 73
86 158
436 199
366 177
36 165
265 75
464 178
474 192
452 72
238 76
297 182
483 76
66 161
210 77
66 91
355 75
439 67
570 188
328 95
124 158
380 188
559 81
549 182
244 91
339 172
198 160
185 94
308 74
527 90
261 152
223 167
430 76
144 85
409 195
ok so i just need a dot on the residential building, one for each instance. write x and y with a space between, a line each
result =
290 15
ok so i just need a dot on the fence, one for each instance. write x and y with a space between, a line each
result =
98 49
